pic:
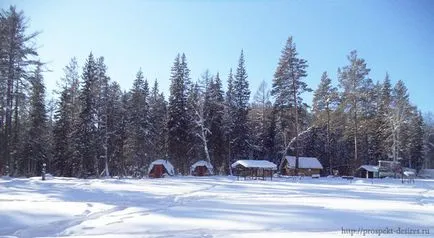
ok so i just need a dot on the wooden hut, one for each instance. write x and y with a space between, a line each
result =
254 169
306 166
367 171
388 168
160 168
201 168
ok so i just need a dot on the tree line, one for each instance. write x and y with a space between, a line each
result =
94 128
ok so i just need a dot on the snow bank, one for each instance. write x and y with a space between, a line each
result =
167 165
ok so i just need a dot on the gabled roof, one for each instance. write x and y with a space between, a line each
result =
369 168
202 163
167 165
303 162
261 164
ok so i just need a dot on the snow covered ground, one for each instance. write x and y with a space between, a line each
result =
215 207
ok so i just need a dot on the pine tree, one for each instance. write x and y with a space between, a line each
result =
259 119
214 115
199 130
16 60
384 123
241 96
415 158
122 135
228 120
325 103
428 140
325 99
400 112
35 151
158 123
102 107
86 133
65 160
351 79
369 144
63 151
178 124
288 85
116 130
138 129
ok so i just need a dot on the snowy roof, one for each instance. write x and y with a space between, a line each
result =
369 168
263 164
409 173
167 165
426 173
303 162
202 163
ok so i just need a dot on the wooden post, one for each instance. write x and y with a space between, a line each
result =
43 171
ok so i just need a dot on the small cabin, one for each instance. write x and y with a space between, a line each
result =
307 166
367 171
160 168
254 169
201 168
388 168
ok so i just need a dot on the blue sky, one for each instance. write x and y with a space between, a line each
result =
394 36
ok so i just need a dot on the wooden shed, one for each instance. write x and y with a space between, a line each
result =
254 169
306 166
367 171
160 168
201 168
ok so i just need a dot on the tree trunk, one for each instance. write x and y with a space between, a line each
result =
328 140
296 127
355 136
205 143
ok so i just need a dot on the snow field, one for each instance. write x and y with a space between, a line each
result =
212 207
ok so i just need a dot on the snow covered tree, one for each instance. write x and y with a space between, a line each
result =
416 135
228 120
400 112
287 88
369 143
138 128
102 106
17 60
158 123
86 133
259 116
351 80
199 129
241 95
65 161
178 118
325 99
428 140
325 103
117 120
385 128
214 115
36 145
